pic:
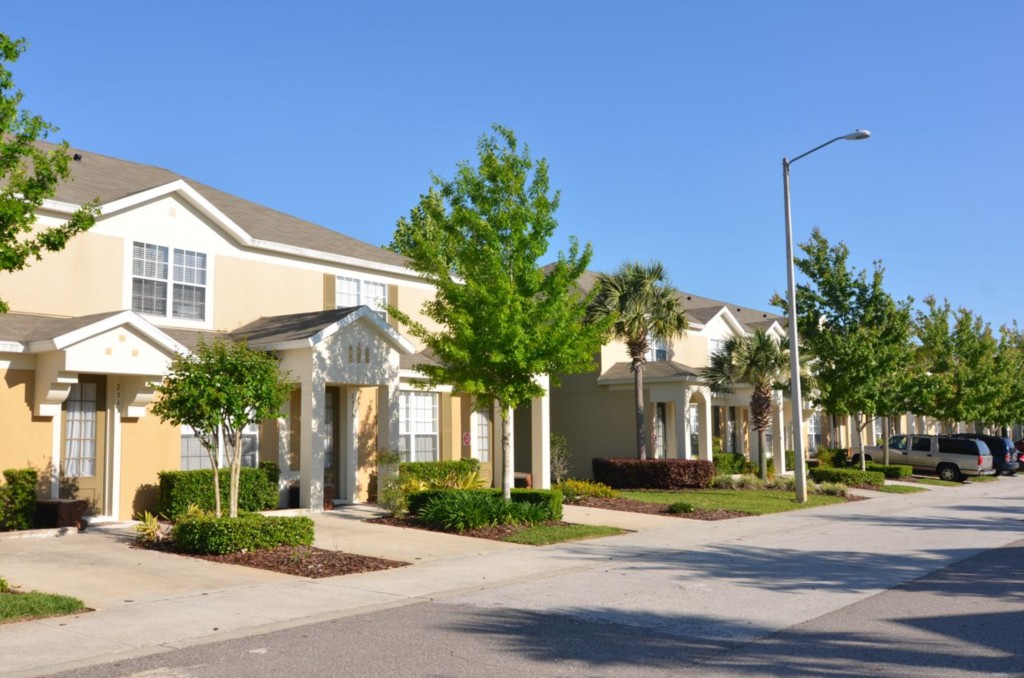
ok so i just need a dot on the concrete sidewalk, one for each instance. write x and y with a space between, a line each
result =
147 602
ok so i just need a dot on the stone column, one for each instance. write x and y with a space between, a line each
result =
540 436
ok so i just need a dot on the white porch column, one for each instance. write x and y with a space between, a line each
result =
350 468
540 434
680 420
704 417
778 432
311 440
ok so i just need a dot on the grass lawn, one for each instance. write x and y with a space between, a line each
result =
539 535
900 489
35 605
983 479
937 481
754 502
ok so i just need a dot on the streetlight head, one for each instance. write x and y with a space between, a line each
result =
858 135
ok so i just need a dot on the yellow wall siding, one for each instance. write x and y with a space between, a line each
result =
24 440
246 290
85 278
410 300
366 439
147 447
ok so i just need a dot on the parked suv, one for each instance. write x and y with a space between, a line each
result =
949 457
1004 454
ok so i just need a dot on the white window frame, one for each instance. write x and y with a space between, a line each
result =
657 349
714 345
482 424
177 277
418 421
80 431
349 291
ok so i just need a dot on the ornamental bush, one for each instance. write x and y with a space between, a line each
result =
18 499
847 476
573 490
834 457
436 473
549 500
654 474
257 490
248 532
461 510
892 471
731 463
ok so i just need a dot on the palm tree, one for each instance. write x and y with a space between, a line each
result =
757 359
645 308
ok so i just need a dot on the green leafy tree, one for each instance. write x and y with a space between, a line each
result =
29 175
1008 405
957 379
641 306
762 362
501 320
858 334
218 390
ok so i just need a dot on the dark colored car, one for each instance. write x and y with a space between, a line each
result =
1020 447
1004 453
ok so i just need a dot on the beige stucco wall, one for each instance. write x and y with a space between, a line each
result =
247 289
576 405
366 439
147 447
84 278
410 300
24 440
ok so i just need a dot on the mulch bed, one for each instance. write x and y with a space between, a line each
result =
637 506
301 561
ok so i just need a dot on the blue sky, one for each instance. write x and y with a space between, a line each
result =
664 123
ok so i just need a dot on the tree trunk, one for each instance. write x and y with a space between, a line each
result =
507 465
857 418
236 466
885 439
638 397
762 453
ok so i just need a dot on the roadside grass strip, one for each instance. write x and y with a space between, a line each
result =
753 502
35 605
540 535
936 481
900 489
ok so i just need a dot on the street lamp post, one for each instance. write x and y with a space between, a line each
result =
799 470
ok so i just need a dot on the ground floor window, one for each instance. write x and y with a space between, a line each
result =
658 434
194 455
813 432
482 450
694 430
417 425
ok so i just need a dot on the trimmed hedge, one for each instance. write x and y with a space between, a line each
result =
217 536
257 489
435 472
654 474
551 500
18 498
892 471
847 476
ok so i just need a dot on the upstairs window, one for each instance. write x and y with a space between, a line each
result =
658 349
354 292
158 287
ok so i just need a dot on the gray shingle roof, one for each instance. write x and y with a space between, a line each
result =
109 179
661 370
291 327
26 327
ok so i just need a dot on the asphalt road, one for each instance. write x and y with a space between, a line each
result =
963 620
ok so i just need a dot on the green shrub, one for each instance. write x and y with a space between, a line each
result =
847 476
832 457
434 473
18 499
573 490
653 474
150 530
561 458
551 500
785 483
680 507
257 489
892 471
731 463
833 489
750 482
790 457
461 510
724 482
249 532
